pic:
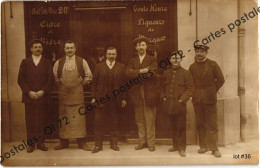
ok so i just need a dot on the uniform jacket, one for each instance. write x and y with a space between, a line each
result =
208 83
98 85
150 89
35 78
176 84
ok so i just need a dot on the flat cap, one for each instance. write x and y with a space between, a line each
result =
202 47
140 39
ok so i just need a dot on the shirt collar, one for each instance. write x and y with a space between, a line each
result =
108 63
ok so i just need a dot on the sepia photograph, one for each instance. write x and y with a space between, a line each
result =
129 83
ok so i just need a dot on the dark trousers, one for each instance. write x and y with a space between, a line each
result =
178 123
206 116
106 118
34 117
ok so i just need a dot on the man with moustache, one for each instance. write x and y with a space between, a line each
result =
208 79
108 75
35 79
71 72
175 90
144 95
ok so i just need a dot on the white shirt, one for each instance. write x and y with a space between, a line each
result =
110 64
141 58
36 59
70 64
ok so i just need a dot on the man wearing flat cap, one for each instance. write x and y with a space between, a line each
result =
144 94
208 79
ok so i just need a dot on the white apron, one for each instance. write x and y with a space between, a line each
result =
71 98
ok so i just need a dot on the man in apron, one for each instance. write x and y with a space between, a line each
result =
71 72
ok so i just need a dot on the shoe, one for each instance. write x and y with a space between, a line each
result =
61 146
172 149
85 147
182 153
202 150
97 149
151 148
141 146
42 147
216 153
115 148
30 149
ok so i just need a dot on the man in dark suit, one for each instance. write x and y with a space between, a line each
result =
175 90
108 76
144 95
35 79
208 79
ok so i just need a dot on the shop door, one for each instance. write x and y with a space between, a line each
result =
93 30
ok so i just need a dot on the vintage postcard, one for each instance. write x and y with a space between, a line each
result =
129 83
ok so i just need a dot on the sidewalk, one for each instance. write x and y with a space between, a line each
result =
129 156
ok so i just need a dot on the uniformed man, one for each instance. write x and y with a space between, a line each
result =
35 79
71 72
144 95
208 79
175 90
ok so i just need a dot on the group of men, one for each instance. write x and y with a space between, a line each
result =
201 82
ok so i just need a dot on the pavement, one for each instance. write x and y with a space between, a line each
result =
127 155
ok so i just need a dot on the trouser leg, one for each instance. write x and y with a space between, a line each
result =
41 107
113 123
99 126
34 122
181 130
212 127
149 115
140 122
174 130
201 124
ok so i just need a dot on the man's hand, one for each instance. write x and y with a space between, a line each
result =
180 101
164 99
40 93
144 70
33 95
123 103
93 100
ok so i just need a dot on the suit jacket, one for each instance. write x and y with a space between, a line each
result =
176 84
35 78
150 89
98 85
208 83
